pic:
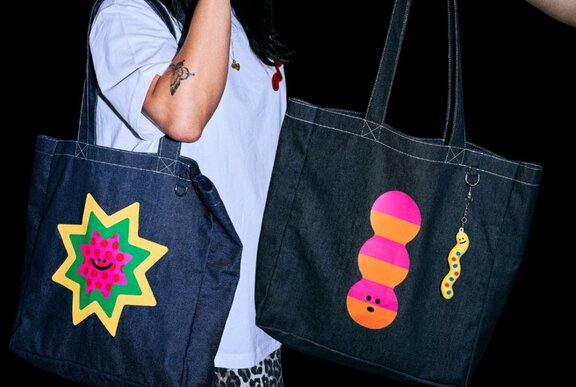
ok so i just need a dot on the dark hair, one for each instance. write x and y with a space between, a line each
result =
256 16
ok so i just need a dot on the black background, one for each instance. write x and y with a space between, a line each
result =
519 77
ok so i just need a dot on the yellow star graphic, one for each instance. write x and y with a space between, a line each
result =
146 298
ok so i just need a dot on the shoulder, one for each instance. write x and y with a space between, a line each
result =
128 18
127 34
120 5
128 13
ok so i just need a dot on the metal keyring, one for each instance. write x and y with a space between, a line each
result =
472 173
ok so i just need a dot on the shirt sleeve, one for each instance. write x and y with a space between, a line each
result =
130 45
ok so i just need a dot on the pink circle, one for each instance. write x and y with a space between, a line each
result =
399 205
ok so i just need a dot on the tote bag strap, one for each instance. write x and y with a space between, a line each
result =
454 129
168 148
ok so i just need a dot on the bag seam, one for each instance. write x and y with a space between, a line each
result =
122 166
413 378
184 375
489 287
405 136
75 364
26 274
422 158
272 275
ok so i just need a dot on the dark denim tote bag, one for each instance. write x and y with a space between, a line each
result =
131 262
386 252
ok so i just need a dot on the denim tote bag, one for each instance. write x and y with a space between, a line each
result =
131 262
386 252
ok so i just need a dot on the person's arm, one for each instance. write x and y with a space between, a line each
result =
183 99
563 10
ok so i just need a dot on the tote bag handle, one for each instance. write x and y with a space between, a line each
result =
168 148
454 128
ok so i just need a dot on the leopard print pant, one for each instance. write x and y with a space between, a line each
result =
267 373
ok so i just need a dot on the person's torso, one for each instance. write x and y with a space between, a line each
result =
236 151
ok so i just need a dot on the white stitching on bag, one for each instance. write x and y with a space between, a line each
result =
423 159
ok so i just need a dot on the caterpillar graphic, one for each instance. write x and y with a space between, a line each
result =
462 243
383 260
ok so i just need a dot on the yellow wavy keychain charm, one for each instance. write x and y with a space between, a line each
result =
462 243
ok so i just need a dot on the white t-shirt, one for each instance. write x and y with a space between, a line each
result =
130 45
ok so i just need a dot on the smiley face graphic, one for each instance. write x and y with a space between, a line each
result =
103 264
462 238
104 261
372 305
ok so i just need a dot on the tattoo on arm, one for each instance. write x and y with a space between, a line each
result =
179 73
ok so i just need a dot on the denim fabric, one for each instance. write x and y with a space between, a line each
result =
170 344
330 168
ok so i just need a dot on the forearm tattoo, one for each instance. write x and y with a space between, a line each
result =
179 73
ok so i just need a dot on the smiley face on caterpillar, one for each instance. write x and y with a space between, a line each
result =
462 244
372 305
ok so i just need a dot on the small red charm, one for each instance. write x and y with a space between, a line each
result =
277 77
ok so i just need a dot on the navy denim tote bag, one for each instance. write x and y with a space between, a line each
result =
386 252
131 262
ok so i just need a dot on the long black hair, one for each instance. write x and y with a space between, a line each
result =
256 16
